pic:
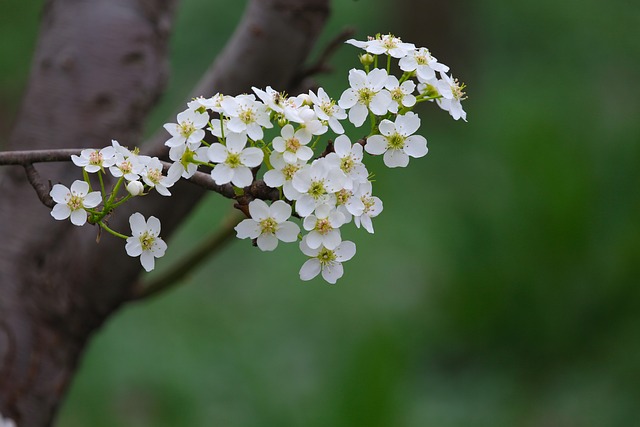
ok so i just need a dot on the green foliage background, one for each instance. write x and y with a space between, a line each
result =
501 287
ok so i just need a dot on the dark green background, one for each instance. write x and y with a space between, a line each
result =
501 287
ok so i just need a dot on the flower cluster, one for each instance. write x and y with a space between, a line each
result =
277 138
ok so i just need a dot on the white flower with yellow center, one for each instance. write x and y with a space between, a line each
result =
397 141
366 93
93 160
234 160
328 110
293 145
326 261
385 44
317 184
268 224
247 115
421 61
73 202
323 227
348 158
372 206
282 175
401 94
153 177
452 92
145 241
188 130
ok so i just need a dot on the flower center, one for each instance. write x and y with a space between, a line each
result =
458 90
126 167
347 164
268 225
395 141
365 95
247 116
146 240
397 95
95 158
343 196
155 175
326 256
75 202
187 157
233 160
289 170
187 128
323 226
368 203
317 189
293 144
327 108
389 43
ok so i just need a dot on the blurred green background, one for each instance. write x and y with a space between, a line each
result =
501 287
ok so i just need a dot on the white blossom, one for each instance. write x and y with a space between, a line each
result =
268 224
247 115
372 206
323 227
309 123
401 94
127 164
293 144
421 61
386 44
145 241
135 188
326 261
279 102
282 175
93 160
153 177
397 142
366 93
317 184
186 160
73 202
452 95
188 130
328 110
234 160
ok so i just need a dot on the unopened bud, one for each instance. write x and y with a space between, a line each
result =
282 121
306 99
366 59
135 188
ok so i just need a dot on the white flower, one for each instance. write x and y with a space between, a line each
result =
309 123
452 95
323 227
144 241
268 224
317 183
247 115
372 206
293 145
421 61
135 188
6 422
326 261
279 103
188 130
328 110
348 158
152 176
386 44
212 103
186 160
366 93
282 175
72 203
127 164
94 160
401 94
234 161
397 142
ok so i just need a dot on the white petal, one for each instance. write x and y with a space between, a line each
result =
137 223
81 188
387 127
133 246
348 99
288 231
259 210
217 153
222 174
278 144
92 199
236 142
251 156
396 158
60 211
416 146
310 269
60 194
305 205
79 217
342 145
153 225
345 251
380 103
280 211
242 177
304 153
273 178
147 260
248 228
407 124
332 272
314 240
358 114
376 145
332 239
267 242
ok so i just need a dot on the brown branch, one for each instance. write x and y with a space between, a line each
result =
190 262
36 182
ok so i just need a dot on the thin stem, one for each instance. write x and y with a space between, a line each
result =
104 193
190 262
114 192
110 231
388 64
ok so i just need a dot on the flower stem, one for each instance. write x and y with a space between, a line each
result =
110 231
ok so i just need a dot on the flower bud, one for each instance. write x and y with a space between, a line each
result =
366 59
306 99
135 188
282 121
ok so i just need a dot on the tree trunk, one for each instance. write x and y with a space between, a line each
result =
98 69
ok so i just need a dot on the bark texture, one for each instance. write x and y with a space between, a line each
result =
99 67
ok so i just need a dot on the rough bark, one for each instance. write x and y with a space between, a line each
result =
99 67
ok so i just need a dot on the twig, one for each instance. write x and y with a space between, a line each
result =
36 182
189 263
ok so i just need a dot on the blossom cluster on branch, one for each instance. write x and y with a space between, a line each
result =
282 140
